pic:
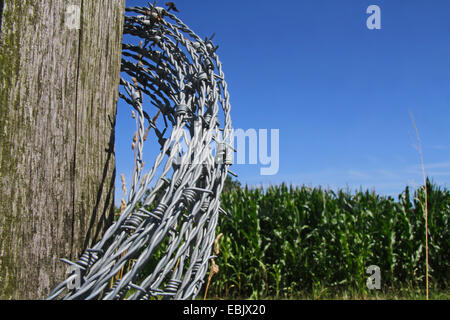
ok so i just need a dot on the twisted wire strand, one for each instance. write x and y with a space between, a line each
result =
170 219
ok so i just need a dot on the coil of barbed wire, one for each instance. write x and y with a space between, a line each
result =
169 220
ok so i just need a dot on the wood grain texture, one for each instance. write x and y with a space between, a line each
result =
58 98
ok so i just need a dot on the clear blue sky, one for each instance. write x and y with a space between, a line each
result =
338 92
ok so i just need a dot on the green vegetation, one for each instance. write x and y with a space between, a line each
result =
294 243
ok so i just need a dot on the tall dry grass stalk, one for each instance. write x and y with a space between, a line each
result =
214 267
419 149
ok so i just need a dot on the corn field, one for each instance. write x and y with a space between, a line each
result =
285 240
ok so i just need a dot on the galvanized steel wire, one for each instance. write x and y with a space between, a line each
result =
171 215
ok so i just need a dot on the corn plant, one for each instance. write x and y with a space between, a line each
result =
286 241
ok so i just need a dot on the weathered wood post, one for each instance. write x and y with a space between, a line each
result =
58 96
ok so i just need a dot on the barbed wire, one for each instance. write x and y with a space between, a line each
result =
162 241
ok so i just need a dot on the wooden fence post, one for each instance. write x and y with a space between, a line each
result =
59 77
